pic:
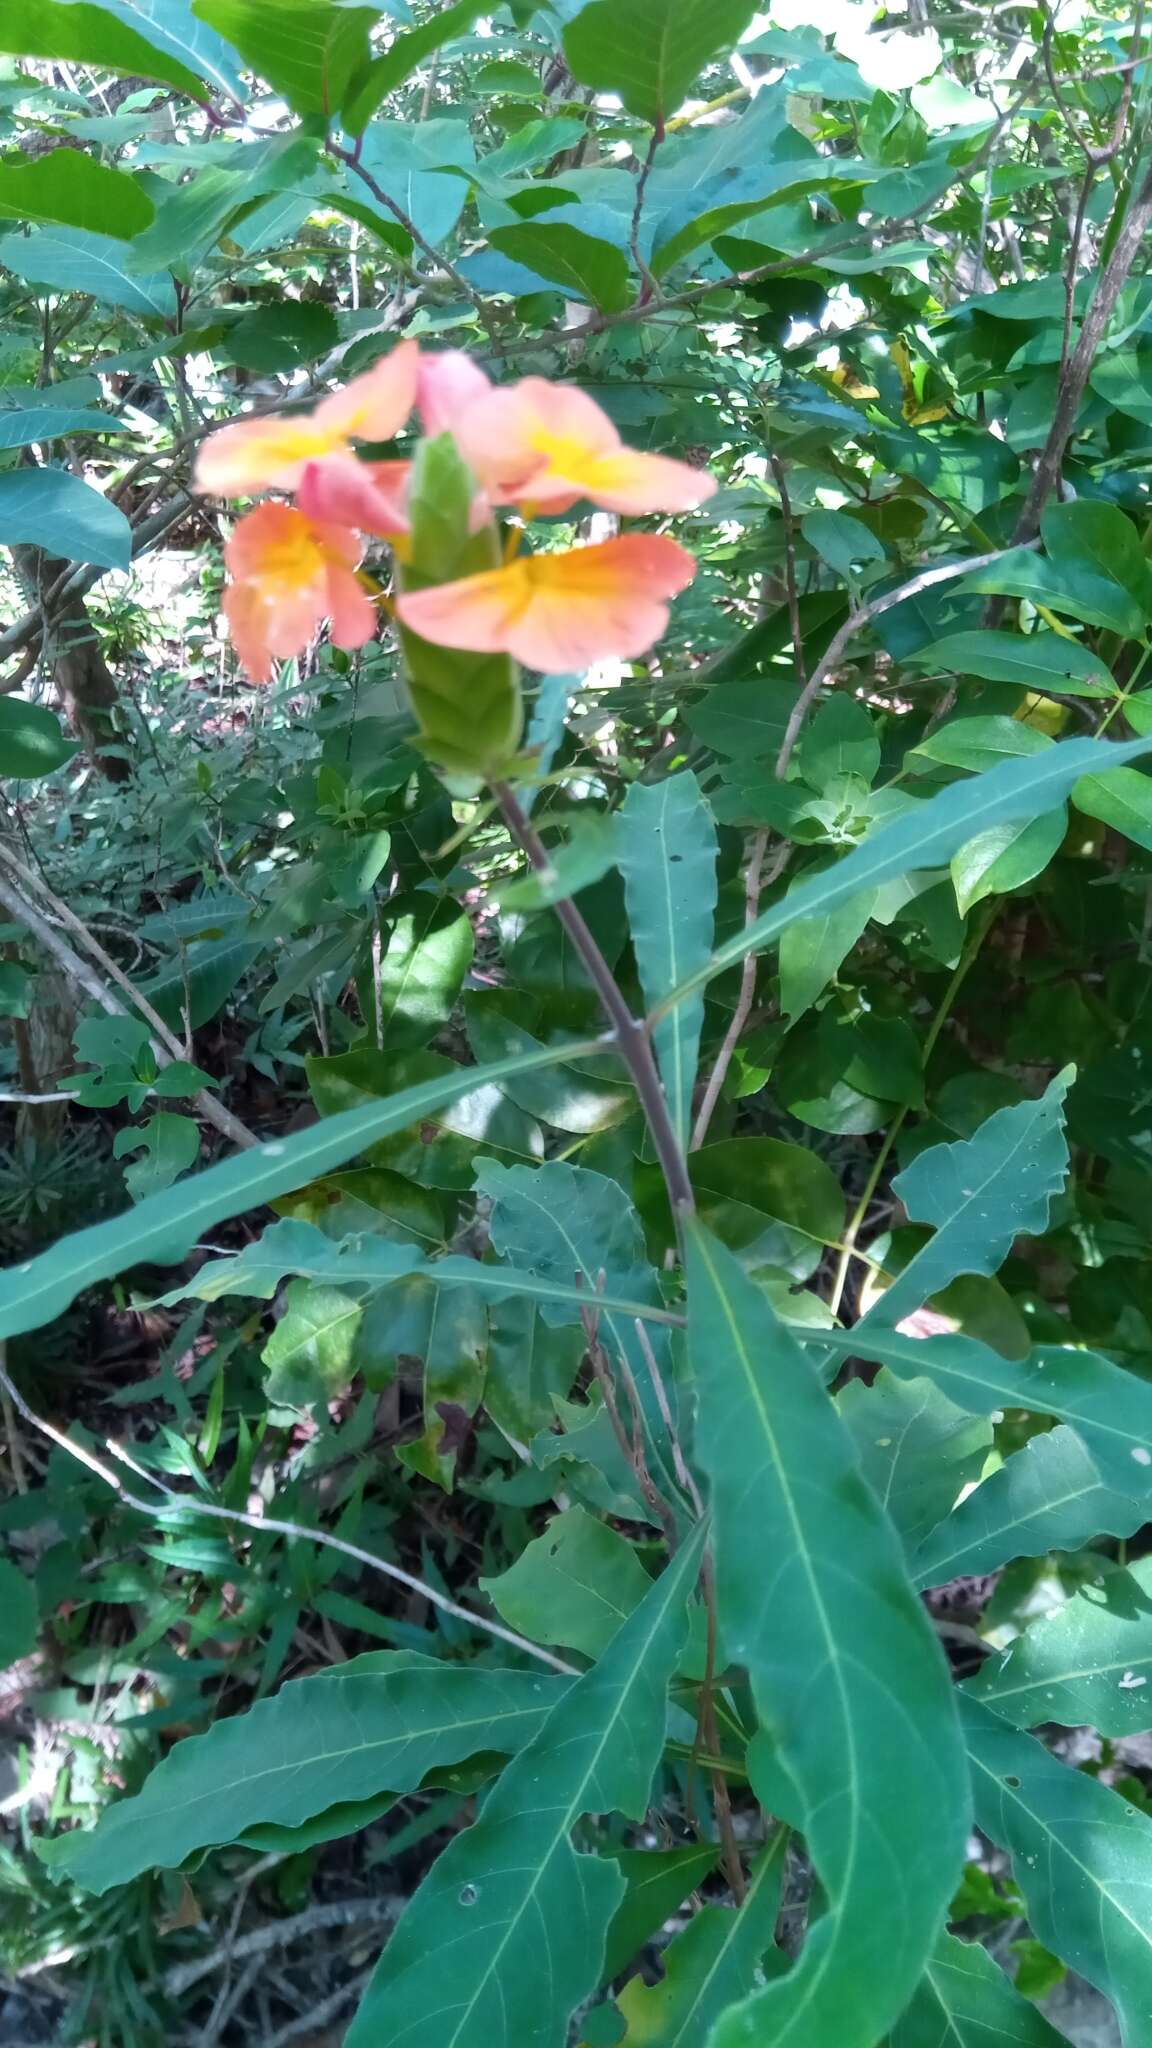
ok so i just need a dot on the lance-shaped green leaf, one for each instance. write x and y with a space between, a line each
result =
320 1740
927 836
916 1449
1109 1408
1048 1496
711 1964
966 2001
1087 1665
848 1680
667 855
163 1227
1081 1857
507 1932
980 1194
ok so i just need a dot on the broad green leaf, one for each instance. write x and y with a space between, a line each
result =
979 1195
418 166
845 543
1121 799
746 720
584 266
19 426
428 953
72 190
51 509
812 950
19 1615
31 742
848 1680
1074 588
1109 1408
349 1735
966 2001
170 27
927 836
650 51
72 260
1006 857
439 1149
658 1880
573 1585
405 53
916 1449
310 1352
80 33
163 1228
1036 661
976 743
666 848
1089 1664
523 1915
841 740
1048 1496
310 51
570 1101
1088 530
1082 1859
717 1959
170 1144
530 1367
772 1202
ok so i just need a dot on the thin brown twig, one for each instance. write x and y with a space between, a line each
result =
632 1040
925 579
14 895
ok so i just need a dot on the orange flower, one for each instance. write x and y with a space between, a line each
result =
549 445
288 576
559 613
271 454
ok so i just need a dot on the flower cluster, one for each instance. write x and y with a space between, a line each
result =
536 446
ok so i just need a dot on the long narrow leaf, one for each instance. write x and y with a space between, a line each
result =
979 1193
1048 1496
320 1740
1081 1857
966 2001
164 1227
667 856
851 1688
507 1932
713 1962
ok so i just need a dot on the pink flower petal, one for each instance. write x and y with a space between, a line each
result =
341 490
375 406
449 382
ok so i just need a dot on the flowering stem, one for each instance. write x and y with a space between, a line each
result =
631 1036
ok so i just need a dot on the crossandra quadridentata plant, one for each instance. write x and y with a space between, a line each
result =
714 1668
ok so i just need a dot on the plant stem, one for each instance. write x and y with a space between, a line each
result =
632 1039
